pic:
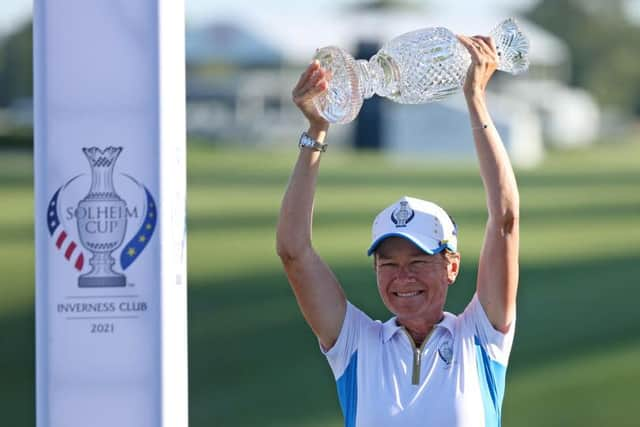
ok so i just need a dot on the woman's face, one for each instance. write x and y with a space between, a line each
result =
413 284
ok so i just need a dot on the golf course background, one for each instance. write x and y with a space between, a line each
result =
254 362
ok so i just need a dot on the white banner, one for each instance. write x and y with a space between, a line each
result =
110 213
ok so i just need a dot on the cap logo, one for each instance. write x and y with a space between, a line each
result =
403 215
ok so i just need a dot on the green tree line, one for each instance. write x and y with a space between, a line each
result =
16 65
603 44
602 41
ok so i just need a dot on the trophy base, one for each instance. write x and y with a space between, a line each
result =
102 281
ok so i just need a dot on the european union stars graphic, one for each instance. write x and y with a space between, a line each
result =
136 245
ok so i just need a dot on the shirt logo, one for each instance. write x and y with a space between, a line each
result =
403 215
446 352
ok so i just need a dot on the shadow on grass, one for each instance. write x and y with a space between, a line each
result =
254 362
356 217
271 373
464 178
17 366
531 217
278 377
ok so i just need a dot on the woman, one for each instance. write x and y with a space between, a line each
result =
424 366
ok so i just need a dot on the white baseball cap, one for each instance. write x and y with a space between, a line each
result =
425 224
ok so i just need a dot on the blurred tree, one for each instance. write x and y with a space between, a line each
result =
385 5
16 65
603 45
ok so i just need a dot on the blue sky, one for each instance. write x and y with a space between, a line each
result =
14 12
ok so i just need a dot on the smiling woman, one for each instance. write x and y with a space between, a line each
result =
443 369
413 284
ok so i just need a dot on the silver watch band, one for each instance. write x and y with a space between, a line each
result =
307 142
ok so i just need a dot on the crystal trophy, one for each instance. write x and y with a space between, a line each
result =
102 221
417 67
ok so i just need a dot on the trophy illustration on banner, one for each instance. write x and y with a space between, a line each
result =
102 221
414 68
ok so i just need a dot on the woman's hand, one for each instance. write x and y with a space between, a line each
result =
312 83
484 62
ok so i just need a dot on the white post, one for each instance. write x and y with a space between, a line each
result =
110 190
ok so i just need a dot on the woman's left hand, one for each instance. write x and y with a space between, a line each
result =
484 62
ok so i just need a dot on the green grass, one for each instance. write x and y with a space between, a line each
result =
253 361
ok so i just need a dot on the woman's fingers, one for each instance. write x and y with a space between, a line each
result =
315 65
471 45
492 45
304 77
488 40
484 61
312 80
479 43
468 42
486 45
310 83
320 86
481 48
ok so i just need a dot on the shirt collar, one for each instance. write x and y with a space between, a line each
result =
390 327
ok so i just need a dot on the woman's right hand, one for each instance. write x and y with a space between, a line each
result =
312 82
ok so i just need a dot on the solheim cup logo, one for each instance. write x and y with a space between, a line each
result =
402 215
102 220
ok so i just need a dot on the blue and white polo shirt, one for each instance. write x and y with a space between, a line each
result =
456 379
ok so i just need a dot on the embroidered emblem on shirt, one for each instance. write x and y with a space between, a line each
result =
446 352
403 215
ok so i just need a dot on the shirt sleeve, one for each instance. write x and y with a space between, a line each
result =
339 356
496 344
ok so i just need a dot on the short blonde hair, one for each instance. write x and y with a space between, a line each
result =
448 255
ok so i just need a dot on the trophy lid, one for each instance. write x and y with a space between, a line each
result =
512 46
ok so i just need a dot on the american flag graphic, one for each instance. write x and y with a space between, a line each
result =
64 243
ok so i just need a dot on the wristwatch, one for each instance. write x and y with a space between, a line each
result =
307 142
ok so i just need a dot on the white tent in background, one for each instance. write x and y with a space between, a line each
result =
441 131
570 116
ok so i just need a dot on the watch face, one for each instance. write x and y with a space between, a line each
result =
306 141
